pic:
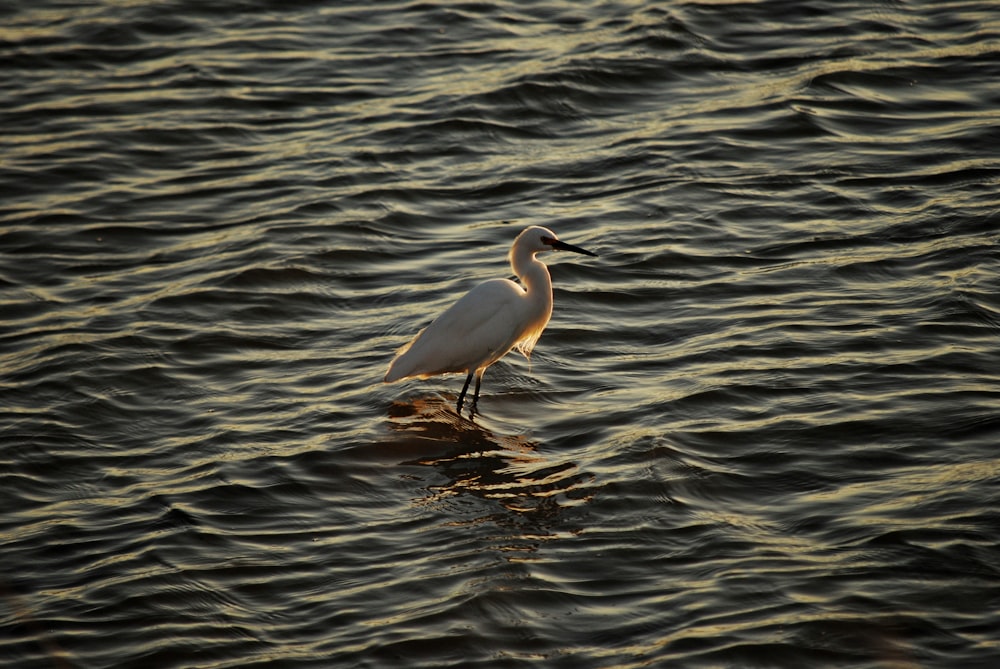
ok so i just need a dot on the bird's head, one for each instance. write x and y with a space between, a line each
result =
537 239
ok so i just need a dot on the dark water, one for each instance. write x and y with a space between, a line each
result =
761 429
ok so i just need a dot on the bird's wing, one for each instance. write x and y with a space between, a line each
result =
474 332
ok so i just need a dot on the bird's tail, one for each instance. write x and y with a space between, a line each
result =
400 367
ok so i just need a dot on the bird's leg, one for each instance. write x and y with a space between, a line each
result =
465 388
475 396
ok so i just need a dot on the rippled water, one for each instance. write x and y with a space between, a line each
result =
760 430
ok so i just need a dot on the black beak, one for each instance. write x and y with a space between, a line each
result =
563 246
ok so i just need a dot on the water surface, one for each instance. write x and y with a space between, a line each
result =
760 430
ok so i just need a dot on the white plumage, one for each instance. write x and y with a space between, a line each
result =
490 320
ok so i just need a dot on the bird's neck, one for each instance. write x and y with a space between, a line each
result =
534 275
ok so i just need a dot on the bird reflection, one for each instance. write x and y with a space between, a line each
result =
532 489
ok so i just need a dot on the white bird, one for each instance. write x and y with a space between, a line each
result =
489 321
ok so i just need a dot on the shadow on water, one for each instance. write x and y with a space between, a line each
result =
507 470
21 611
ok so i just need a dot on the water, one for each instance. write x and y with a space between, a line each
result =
760 430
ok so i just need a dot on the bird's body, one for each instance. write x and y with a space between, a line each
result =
474 332
490 320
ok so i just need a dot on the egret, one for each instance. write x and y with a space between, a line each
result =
489 321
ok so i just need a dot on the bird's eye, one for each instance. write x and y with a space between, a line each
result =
548 240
